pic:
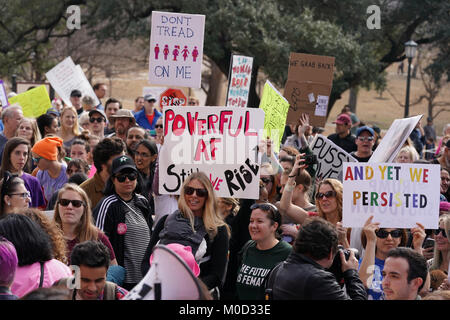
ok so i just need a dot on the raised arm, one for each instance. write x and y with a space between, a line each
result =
366 269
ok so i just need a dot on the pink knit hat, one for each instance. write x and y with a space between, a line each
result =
444 206
185 253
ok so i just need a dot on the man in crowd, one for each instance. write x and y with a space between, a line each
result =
92 258
75 100
404 274
123 120
147 117
138 104
100 91
303 276
103 154
88 103
343 137
134 135
11 118
353 117
111 107
97 123
365 139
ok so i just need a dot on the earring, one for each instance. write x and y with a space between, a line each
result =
9 203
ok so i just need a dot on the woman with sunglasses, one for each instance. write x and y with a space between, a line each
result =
263 252
124 215
52 172
14 159
197 223
377 242
73 216
159 138
14 195
441 254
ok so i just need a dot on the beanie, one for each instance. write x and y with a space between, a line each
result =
47 148
444 206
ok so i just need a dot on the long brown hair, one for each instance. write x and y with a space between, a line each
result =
337 187
85 230
7 151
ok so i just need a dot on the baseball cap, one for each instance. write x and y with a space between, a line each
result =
318 130
53 111
75 93
365 128
343 119
149 97
122 162
98 111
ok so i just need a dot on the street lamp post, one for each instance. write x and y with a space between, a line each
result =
410 52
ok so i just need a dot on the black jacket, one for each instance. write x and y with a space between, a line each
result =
301 278
109 212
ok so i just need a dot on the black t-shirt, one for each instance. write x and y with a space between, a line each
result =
365 159
347 143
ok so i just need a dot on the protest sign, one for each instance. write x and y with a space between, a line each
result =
66 76
176 49
3 95
330 158
239 80
397 194
308 87
172 97
394 139
219 141
34 102
275 107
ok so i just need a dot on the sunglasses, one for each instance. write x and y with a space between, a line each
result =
75 203
268 207
23 195
202 193
383 234
266 180
99 120
365 138
158 126
36 160
436 232
131 176
328 194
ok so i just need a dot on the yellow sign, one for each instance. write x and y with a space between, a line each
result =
276 108
34 102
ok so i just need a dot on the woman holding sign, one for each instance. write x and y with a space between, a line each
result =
377 242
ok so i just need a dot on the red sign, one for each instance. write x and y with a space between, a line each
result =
172 97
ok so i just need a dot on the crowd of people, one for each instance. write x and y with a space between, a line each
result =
80 187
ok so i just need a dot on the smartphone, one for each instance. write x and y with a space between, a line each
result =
428 243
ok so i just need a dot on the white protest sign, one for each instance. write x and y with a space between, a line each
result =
394 139
239 81
66 76
219 141
3 95
397 194
176 49
330 158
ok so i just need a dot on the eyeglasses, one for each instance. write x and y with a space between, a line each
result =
23 195
365 139
131 176
75 203
158 126
202 193
328 194
436 232
383 234
143 155
99 120
266 180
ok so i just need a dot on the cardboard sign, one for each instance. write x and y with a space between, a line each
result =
240 78
3 96
176 49
172 97
218 141
275 107
34 102
397 194
308 87
394 139
330 158
66 76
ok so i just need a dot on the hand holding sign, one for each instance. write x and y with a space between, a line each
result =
419 235
369 230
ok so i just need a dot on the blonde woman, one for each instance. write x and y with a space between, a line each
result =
197 223
29 130
441 254
69 126
407 154
74 217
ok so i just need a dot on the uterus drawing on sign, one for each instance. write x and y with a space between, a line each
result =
295 97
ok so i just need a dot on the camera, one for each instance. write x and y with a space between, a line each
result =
310 159
336 267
